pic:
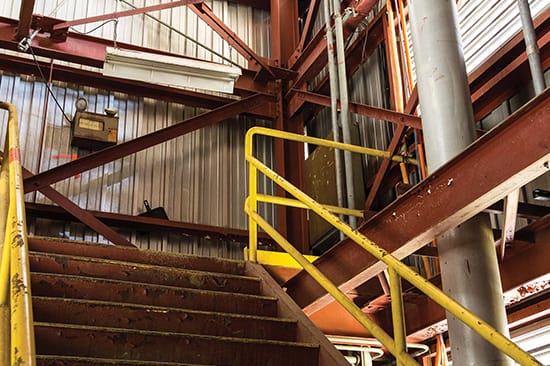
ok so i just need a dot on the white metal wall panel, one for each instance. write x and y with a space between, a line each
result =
199 178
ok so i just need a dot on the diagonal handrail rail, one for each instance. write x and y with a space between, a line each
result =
17 344
397 269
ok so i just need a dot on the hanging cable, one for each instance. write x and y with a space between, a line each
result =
183 35
48 86
96 28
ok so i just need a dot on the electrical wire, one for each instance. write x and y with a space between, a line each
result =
48 86
183 35
96 28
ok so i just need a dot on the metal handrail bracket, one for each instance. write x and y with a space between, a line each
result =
396 268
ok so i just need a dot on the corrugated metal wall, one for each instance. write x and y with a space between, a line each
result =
488 24
198 178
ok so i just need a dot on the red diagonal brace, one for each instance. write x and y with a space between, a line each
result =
208 16
107 155
82 215
122 14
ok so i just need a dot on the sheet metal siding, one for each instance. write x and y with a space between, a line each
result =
488 24
251 25
199 178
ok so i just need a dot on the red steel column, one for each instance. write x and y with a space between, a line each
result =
289 157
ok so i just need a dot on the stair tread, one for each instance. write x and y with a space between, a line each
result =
135 255
167 308
193 290
107 361
141 273
82 287
175 334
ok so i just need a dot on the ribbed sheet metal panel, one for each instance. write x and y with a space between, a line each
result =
488 24
199 178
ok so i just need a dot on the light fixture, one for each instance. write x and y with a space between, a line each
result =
171 71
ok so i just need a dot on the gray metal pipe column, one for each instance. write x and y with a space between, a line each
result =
532 48
467 254
334 94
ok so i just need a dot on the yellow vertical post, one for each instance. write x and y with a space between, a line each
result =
22 328
398 315
4 260
252 202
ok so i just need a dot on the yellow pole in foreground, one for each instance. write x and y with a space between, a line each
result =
22 329
4 262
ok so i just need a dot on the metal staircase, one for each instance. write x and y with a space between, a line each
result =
106 305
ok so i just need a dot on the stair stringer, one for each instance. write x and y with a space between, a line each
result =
306 331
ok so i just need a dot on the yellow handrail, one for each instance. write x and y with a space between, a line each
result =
396 268
16 320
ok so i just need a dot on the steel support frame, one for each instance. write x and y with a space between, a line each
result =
93 160
207 15
444 200
146 223
82 215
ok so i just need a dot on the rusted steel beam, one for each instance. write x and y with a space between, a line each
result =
207 15
18 65
498 78
90 51
25 19
126 13
148 224
307 30
442 201
424 318
249 104
85 217
362 109
284 30
315 58
525 210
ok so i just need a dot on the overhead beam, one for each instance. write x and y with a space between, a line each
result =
307 29
147 224
90 51
444 200
402 119
120 14
93 160
24 66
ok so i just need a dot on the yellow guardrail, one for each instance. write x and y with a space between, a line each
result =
397 270
16 320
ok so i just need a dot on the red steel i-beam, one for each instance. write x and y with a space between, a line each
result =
25 19
109 154
121 14
512 154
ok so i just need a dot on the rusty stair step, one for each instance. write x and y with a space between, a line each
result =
146 317
135 255
142 273
89 361
114 343
88 288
